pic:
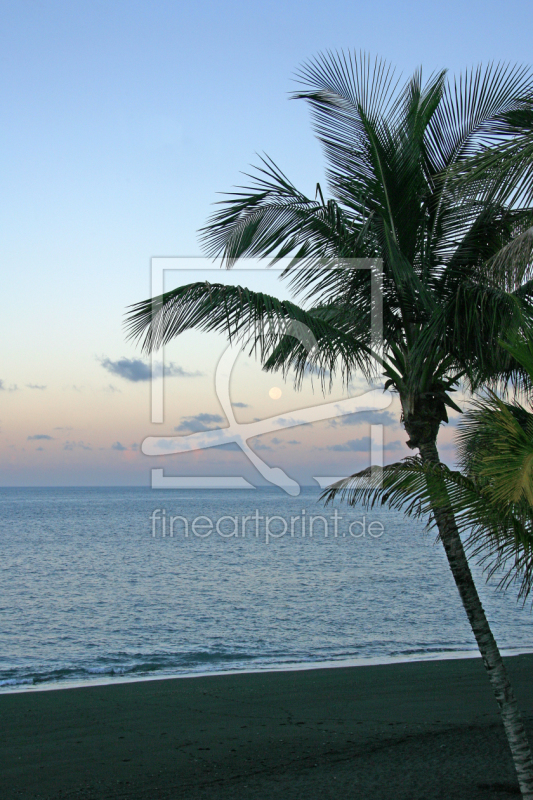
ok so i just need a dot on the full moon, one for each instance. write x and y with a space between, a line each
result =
275 393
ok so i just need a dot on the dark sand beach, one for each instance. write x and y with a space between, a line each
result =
417 731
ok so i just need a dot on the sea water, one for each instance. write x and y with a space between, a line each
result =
120 583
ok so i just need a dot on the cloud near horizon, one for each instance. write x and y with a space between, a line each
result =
361 445
73 445
368 417
395 445
261 446
198 423
136 370
38 436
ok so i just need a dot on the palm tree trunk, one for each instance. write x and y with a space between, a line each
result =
488 648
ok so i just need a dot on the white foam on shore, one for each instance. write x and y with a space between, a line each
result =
283 667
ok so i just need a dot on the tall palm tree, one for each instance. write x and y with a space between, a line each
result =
407 190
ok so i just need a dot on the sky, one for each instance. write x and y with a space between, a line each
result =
123 121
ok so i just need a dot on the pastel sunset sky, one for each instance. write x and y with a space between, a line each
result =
122 122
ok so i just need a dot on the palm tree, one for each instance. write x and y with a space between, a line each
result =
408 192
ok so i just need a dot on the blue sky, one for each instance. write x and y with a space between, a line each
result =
122 121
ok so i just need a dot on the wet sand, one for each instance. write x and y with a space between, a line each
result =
415 731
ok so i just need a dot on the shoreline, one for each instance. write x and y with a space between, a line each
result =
410 730
304 666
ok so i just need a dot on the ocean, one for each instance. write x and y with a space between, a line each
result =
102 584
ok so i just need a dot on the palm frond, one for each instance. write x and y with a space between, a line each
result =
268 215
234 310
499 535
495 445
343 347
375 149
505 169
512 265
255 320
478 111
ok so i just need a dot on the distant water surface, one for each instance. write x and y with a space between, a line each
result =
88 591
